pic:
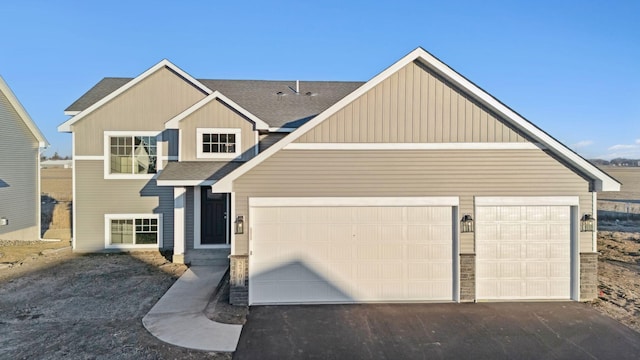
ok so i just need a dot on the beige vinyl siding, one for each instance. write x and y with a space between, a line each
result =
413 105
144 107
462 173
96 197
19 191
266 140
215 114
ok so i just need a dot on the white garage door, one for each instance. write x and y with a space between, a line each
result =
523 252
336 254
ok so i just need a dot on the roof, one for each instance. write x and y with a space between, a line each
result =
100 90
22 113
173 123
602 181
274 102
188 173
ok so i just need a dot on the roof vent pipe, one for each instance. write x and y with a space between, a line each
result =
297 86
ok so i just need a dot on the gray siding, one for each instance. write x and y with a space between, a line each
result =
144 107
19 190
189 221
96 197
463 173
413 106
170 139
215 114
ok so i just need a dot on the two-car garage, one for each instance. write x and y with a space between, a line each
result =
406 249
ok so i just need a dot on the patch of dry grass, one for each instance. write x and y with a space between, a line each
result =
56 187
14 251
630 179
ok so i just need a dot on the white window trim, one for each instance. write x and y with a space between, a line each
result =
234 155
107 154
107 230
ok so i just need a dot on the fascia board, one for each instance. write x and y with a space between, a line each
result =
23 114
66 126
174 122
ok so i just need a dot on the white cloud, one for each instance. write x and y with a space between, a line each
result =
637 141
582 144
623 147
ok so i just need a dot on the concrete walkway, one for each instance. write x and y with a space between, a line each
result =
178 317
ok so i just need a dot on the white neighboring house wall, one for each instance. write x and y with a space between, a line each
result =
20 145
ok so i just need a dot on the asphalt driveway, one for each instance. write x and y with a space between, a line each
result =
554 330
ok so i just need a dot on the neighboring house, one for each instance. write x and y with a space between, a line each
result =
51 164
20 144
413 186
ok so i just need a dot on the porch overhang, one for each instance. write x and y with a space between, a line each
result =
195 173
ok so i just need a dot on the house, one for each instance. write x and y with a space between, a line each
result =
20 145
56 164
416 185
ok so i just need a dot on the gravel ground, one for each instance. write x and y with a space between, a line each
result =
619 272
86 307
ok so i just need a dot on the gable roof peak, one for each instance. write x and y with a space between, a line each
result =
164 63
22 113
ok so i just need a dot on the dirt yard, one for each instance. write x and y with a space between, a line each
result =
619 247
56 199
69 306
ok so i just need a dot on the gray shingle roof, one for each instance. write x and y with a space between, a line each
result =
197 170
103 88
275 102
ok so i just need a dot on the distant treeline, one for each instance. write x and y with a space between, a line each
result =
617 162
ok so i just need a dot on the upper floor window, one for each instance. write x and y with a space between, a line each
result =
218 143
131 155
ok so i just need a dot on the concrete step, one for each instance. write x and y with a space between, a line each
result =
207 257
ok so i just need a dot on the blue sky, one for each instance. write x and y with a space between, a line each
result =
570 67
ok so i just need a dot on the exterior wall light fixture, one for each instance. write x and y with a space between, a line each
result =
587 223
4 221
239 224
466 224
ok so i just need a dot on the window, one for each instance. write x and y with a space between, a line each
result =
218 143
133 154
133 231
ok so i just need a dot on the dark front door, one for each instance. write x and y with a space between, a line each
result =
214 218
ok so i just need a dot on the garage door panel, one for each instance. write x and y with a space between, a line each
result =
536 250
392 252
509 250
523 252
560 213
363 233
354 254
509 270
510 213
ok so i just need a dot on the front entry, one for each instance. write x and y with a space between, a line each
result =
213 224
